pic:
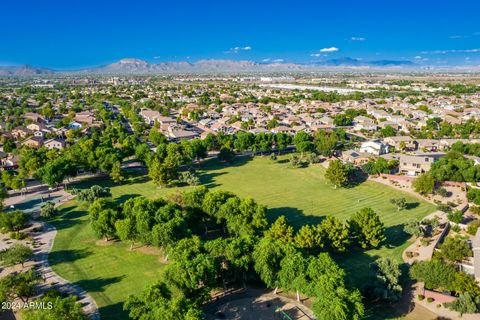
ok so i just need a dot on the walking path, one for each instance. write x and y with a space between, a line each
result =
44 240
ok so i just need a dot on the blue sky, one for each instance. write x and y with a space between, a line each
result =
73 34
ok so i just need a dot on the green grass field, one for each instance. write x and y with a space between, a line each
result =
110 273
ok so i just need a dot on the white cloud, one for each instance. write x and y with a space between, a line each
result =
239 49
418 57
316 55
358 38
457 37
157 57
331 49
278 60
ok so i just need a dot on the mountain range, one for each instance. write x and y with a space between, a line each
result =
138 66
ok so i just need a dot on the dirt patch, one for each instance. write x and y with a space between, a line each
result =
103 243
149 250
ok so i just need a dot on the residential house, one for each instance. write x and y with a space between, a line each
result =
355 157
54 144
33 142
400 142
415 165
375 147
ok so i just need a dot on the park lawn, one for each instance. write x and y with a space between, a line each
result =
109 272
304 196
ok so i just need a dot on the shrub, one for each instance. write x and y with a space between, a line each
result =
425 241
17 235
441 192
439 305
456 228
421 297
475 210
430 299
455 216
473 195
444 207
48 209
273 156
473 227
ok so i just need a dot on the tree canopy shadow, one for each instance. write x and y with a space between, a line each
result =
396 236
207 179
412 205
113 312
295 216
215 164
125 197
97 284
67 256
66 217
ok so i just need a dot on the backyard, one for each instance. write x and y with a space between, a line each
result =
110 272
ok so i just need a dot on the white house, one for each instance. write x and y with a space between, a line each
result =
375 147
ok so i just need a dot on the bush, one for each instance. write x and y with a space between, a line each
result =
13 220
473 195
425 241
444 207
441 192
421 297
439 305
189 178
473 227
475 210
17 235
48 209
456 228
273 156
455 216
430 299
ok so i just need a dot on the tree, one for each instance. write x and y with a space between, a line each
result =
17 253
465 303
13 220
55 171
454 250
386 282
295 161
435 273
310 239
336 234
337 174
61 308
226 154
280 230
424 184
367 228
337 303
292 271
103 215
267 257
18 285
400 203
126 231
158 302
466 283
93 193
414 228
47 209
